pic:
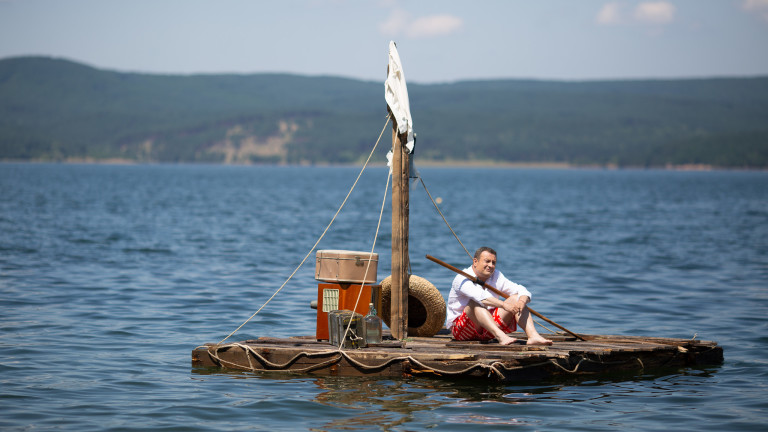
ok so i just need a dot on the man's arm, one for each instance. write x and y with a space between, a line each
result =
512 304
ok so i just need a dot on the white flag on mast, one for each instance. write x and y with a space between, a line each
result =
396 95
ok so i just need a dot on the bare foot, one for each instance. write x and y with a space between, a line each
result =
506 340
538 340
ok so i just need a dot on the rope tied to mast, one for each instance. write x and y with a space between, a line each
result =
365 165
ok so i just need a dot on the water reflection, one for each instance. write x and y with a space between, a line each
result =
363 402
391 403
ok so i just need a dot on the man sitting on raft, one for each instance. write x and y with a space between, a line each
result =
475 314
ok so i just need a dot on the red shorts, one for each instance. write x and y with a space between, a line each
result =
464 329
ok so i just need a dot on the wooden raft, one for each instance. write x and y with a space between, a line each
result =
440 356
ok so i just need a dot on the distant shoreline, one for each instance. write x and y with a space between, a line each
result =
419 164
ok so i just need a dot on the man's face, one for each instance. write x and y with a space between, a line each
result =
485 265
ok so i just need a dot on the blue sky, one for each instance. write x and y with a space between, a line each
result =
438 40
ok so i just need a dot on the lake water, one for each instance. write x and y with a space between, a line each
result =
111 275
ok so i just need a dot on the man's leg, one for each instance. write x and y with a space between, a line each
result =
482 317
525 321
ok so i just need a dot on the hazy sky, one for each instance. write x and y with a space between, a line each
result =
438 40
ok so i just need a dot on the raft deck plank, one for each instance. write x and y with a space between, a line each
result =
440 356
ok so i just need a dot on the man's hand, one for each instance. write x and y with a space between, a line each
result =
514 305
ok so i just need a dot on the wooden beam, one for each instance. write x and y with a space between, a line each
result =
400 211
405 211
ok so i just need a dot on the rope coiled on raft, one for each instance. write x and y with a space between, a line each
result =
495 369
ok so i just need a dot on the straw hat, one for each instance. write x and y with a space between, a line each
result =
426 306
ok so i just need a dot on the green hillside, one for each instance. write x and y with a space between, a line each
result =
59 110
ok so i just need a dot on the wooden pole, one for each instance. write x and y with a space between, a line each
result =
497 292
405 184
400 210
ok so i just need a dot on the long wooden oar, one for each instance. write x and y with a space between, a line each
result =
497 292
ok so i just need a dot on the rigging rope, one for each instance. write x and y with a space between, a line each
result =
441 215
459 240
319 239
365 276
333 219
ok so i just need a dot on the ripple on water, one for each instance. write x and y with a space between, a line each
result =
111 275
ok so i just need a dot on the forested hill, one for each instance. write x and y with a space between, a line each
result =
53 109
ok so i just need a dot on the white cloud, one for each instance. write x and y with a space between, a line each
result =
400 22
645 13
396 23
435 25
659 12
759 7
609 14
755 4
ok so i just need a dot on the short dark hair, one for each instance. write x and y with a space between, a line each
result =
484 249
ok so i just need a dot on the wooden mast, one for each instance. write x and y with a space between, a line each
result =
400 260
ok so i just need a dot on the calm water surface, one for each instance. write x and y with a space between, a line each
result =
111 275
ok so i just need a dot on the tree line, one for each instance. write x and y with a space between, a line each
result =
54 109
